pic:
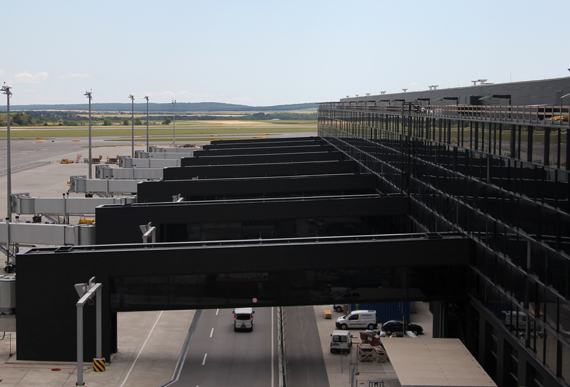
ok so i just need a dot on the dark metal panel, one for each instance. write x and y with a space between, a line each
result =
120 223
263 150
252 170
263 142
163 191
252 159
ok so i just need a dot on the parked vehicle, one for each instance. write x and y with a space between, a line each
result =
358 319
341 341
398 327
516 321
243 319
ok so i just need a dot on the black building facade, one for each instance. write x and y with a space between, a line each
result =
502 179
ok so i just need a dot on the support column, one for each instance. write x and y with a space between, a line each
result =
439 311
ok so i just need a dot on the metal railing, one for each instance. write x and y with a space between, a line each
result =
526 114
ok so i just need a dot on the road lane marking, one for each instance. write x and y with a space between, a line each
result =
217 310
148 337
204 361
212 332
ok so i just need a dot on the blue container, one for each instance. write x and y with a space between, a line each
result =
386 311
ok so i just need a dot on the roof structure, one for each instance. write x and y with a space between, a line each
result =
435 362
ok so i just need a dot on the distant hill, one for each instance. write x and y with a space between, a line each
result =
166 107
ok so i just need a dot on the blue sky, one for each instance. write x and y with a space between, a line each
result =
272 52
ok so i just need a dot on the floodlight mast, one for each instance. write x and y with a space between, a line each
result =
6 90
88 95
132 97
174 127
146 97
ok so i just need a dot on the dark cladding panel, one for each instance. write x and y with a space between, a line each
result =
252 159
254 170
163 191
262 150
265 142
190 220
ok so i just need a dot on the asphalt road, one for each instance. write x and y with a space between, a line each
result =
305 362
218 356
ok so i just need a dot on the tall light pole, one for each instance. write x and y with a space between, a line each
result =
88 95
146 97
174 132
132 97
6 90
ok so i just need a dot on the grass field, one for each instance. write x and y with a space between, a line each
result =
188 128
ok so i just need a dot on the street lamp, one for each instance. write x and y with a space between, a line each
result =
88 95
132 97
174 128
146 97
6 90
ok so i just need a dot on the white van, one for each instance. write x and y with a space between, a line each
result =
243 319
358 319
341 341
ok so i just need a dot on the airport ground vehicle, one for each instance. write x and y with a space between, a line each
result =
341 341
243 319
358 319
394 326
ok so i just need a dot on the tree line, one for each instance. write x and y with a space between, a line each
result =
39 118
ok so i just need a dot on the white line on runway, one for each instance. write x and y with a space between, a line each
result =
212 332
150 333
204 361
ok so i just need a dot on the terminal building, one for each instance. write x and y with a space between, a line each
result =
489 161
457 197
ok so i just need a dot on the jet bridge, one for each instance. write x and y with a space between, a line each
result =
23 204
129 162
144 173
103 187
165 153
47 234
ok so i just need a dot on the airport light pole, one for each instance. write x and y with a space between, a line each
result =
146 97
132 97
88 95
174 127
6 90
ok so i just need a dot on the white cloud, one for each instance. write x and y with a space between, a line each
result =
413 84
1 73
25 77
75 75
